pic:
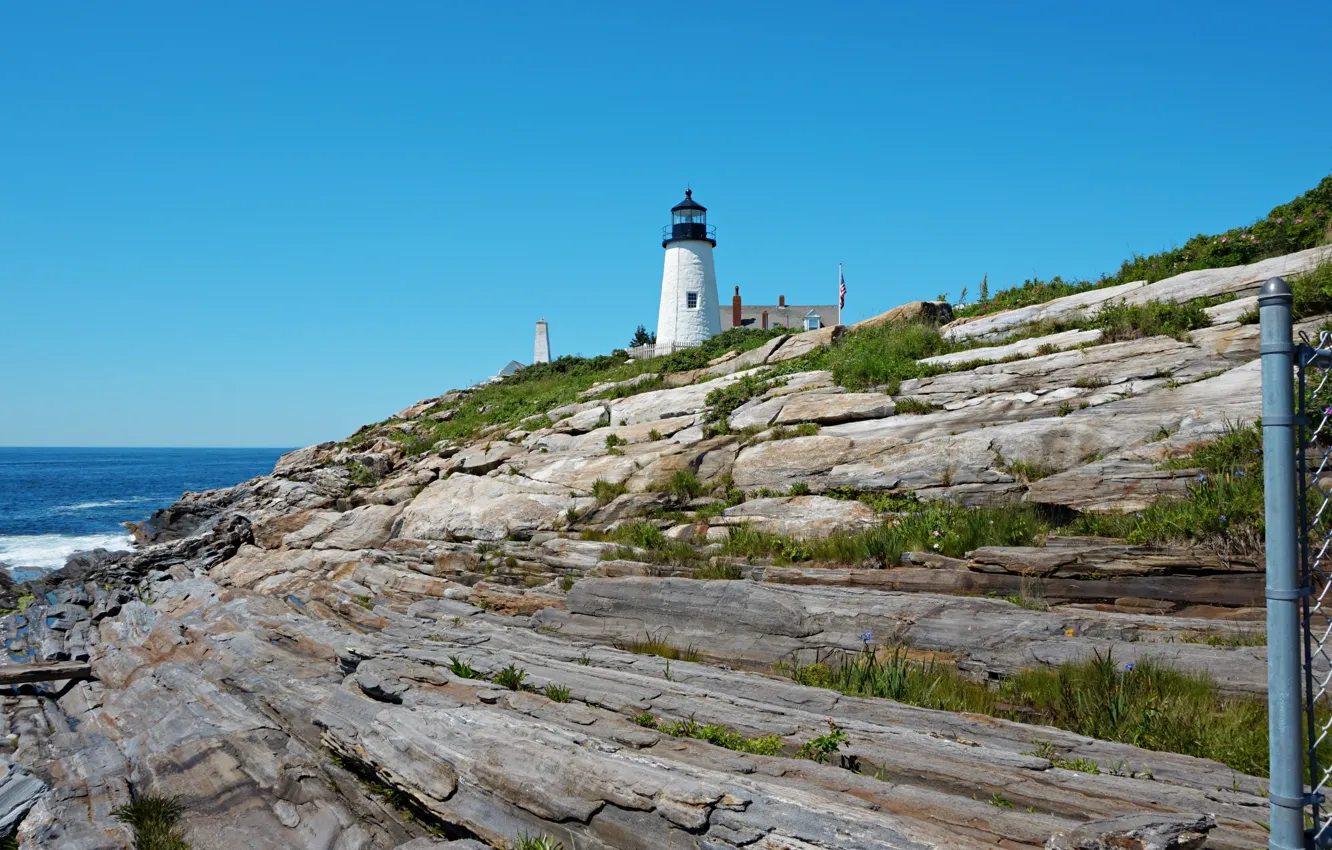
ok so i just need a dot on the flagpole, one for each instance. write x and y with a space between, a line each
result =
839 294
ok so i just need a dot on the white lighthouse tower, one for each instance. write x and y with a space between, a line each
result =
541 350
688 313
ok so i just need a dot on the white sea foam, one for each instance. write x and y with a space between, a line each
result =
110 503
49 551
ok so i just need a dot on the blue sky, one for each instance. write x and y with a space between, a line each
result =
265 224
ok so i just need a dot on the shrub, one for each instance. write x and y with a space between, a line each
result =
799 488
613 440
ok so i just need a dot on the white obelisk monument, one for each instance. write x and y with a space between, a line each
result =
541 352
688 313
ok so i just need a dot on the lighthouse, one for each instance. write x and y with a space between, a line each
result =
689 313
541 350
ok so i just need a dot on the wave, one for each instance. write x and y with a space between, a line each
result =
110 503
49 551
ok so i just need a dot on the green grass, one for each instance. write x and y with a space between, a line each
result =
1025 470
605 492
543 386
511 677
684 485
1118 321
557 693
913 407
715 734
1294 226
1312 292
1147 704
643 541
155 821
1223 505
652 645
718 571
724 401
942 527
1239 636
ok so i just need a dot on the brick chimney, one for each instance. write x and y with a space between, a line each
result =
735 309
781 300
765 320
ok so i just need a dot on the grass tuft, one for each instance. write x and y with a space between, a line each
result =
653 645
155 821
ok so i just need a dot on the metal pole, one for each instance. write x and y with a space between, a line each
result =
1287 804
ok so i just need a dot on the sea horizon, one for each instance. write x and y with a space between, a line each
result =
59 500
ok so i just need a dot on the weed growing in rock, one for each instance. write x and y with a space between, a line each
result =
722 736
605 492
822 747
684 485
942 527
557 693
718 571
913 406
534 842
1147 704
155 821
510 677
462 669
724 401
566 582
646 720
799 488
1239 636
653 645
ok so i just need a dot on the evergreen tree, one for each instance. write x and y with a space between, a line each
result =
985 288
642 337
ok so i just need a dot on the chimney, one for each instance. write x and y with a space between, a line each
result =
735 309
765 320
781 300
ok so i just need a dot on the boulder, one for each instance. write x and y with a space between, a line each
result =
465 507
800 517
934 312
833 408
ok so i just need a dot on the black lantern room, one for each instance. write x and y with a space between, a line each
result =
689 220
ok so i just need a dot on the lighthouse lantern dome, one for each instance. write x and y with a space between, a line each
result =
689 220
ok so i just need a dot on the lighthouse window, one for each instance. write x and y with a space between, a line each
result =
691 300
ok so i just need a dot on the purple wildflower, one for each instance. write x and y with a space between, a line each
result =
867 637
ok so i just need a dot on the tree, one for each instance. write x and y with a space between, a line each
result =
985 288
642 337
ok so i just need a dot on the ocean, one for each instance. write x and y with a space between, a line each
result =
54 502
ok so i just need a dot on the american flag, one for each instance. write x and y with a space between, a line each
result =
841 292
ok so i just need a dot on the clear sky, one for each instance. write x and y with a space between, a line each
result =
264 224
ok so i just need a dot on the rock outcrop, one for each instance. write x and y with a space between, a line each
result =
401 641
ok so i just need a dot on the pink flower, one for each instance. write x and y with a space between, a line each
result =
1223 239
1299 221
1281 219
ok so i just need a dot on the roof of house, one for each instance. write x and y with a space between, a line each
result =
788 316
510 368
